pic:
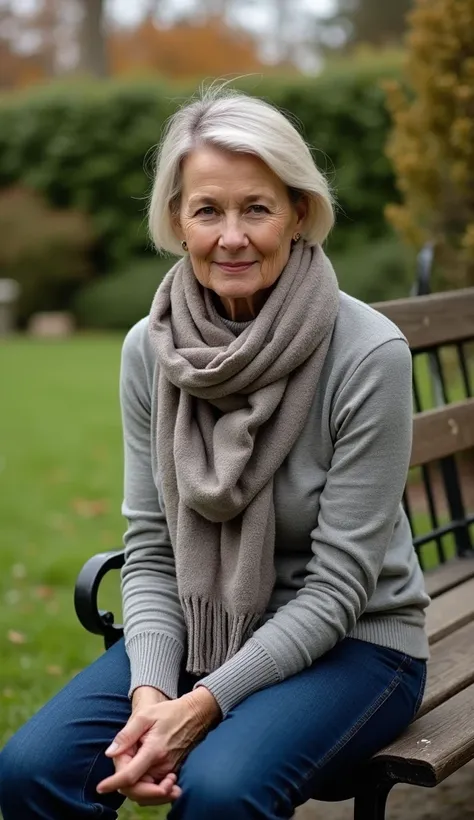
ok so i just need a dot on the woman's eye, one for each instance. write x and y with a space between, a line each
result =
208 210
259 209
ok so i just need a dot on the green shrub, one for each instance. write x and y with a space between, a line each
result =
47 251
117 301
84 146
376 270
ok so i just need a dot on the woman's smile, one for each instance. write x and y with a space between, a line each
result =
234 267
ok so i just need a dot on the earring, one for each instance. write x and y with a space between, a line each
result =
184 245
296 237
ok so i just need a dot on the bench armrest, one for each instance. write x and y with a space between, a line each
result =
95 620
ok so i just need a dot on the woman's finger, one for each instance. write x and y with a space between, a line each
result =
164 801
151 791
136 726
130 774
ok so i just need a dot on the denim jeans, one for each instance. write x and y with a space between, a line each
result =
300 738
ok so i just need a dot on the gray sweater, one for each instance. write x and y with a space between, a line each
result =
344 559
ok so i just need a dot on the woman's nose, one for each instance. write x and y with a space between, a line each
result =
233 235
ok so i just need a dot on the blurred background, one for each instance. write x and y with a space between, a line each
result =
87 86
384 94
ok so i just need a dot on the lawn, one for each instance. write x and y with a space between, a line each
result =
60 496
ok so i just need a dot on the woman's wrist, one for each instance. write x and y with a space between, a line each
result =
205 705
143 695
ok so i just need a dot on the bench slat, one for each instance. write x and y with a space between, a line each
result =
442 432
435 745
450 611
450 668
448 575
427 321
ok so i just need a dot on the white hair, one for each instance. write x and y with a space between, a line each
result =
237 122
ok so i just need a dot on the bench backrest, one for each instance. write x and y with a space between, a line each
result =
440 332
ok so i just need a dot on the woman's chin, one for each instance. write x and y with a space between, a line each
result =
236 292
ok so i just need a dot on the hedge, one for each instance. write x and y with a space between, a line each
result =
117 301
83 146
49 252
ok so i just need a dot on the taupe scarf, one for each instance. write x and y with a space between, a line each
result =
229 411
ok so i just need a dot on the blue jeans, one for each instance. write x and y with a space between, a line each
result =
303 737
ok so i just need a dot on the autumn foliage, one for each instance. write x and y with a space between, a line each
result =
18 70
432 144
184 51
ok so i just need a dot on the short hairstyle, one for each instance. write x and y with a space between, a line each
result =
235 121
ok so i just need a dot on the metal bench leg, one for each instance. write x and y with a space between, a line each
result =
370 804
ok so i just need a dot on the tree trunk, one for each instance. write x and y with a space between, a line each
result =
93 57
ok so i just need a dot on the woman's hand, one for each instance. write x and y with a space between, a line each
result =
147 792
151 789
155 741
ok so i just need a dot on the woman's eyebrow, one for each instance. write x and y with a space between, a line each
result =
257 197
198 199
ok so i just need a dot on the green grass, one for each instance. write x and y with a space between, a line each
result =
456 392
60 496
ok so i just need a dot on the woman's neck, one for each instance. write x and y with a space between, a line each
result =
241 310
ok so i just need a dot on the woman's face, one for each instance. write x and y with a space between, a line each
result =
238 222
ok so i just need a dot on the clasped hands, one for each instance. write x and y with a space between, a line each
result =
158 736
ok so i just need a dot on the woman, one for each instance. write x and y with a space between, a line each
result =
273 603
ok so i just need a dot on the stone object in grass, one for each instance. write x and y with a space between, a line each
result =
51 324
9 293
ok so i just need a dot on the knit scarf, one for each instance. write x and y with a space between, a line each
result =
230 408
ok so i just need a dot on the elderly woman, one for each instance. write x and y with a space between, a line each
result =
273 602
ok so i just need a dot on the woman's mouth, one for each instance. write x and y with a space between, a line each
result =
234 267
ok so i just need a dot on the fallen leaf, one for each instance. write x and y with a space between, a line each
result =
8 693
90 508
16 637
54 670
44 592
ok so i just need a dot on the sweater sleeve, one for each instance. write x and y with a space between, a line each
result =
372 426
153 620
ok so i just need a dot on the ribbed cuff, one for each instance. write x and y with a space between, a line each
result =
155 660
251 669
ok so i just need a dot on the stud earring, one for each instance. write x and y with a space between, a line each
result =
184 245
296 237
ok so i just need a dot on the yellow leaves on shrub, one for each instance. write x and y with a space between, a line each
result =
462 133
468 239
432 141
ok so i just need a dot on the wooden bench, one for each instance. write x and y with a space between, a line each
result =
441 739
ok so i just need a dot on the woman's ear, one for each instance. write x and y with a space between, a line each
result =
302 208
176 225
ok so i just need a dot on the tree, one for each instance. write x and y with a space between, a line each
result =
37 42
92 44
432 144
368 21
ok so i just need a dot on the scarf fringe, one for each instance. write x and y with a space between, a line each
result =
214 634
